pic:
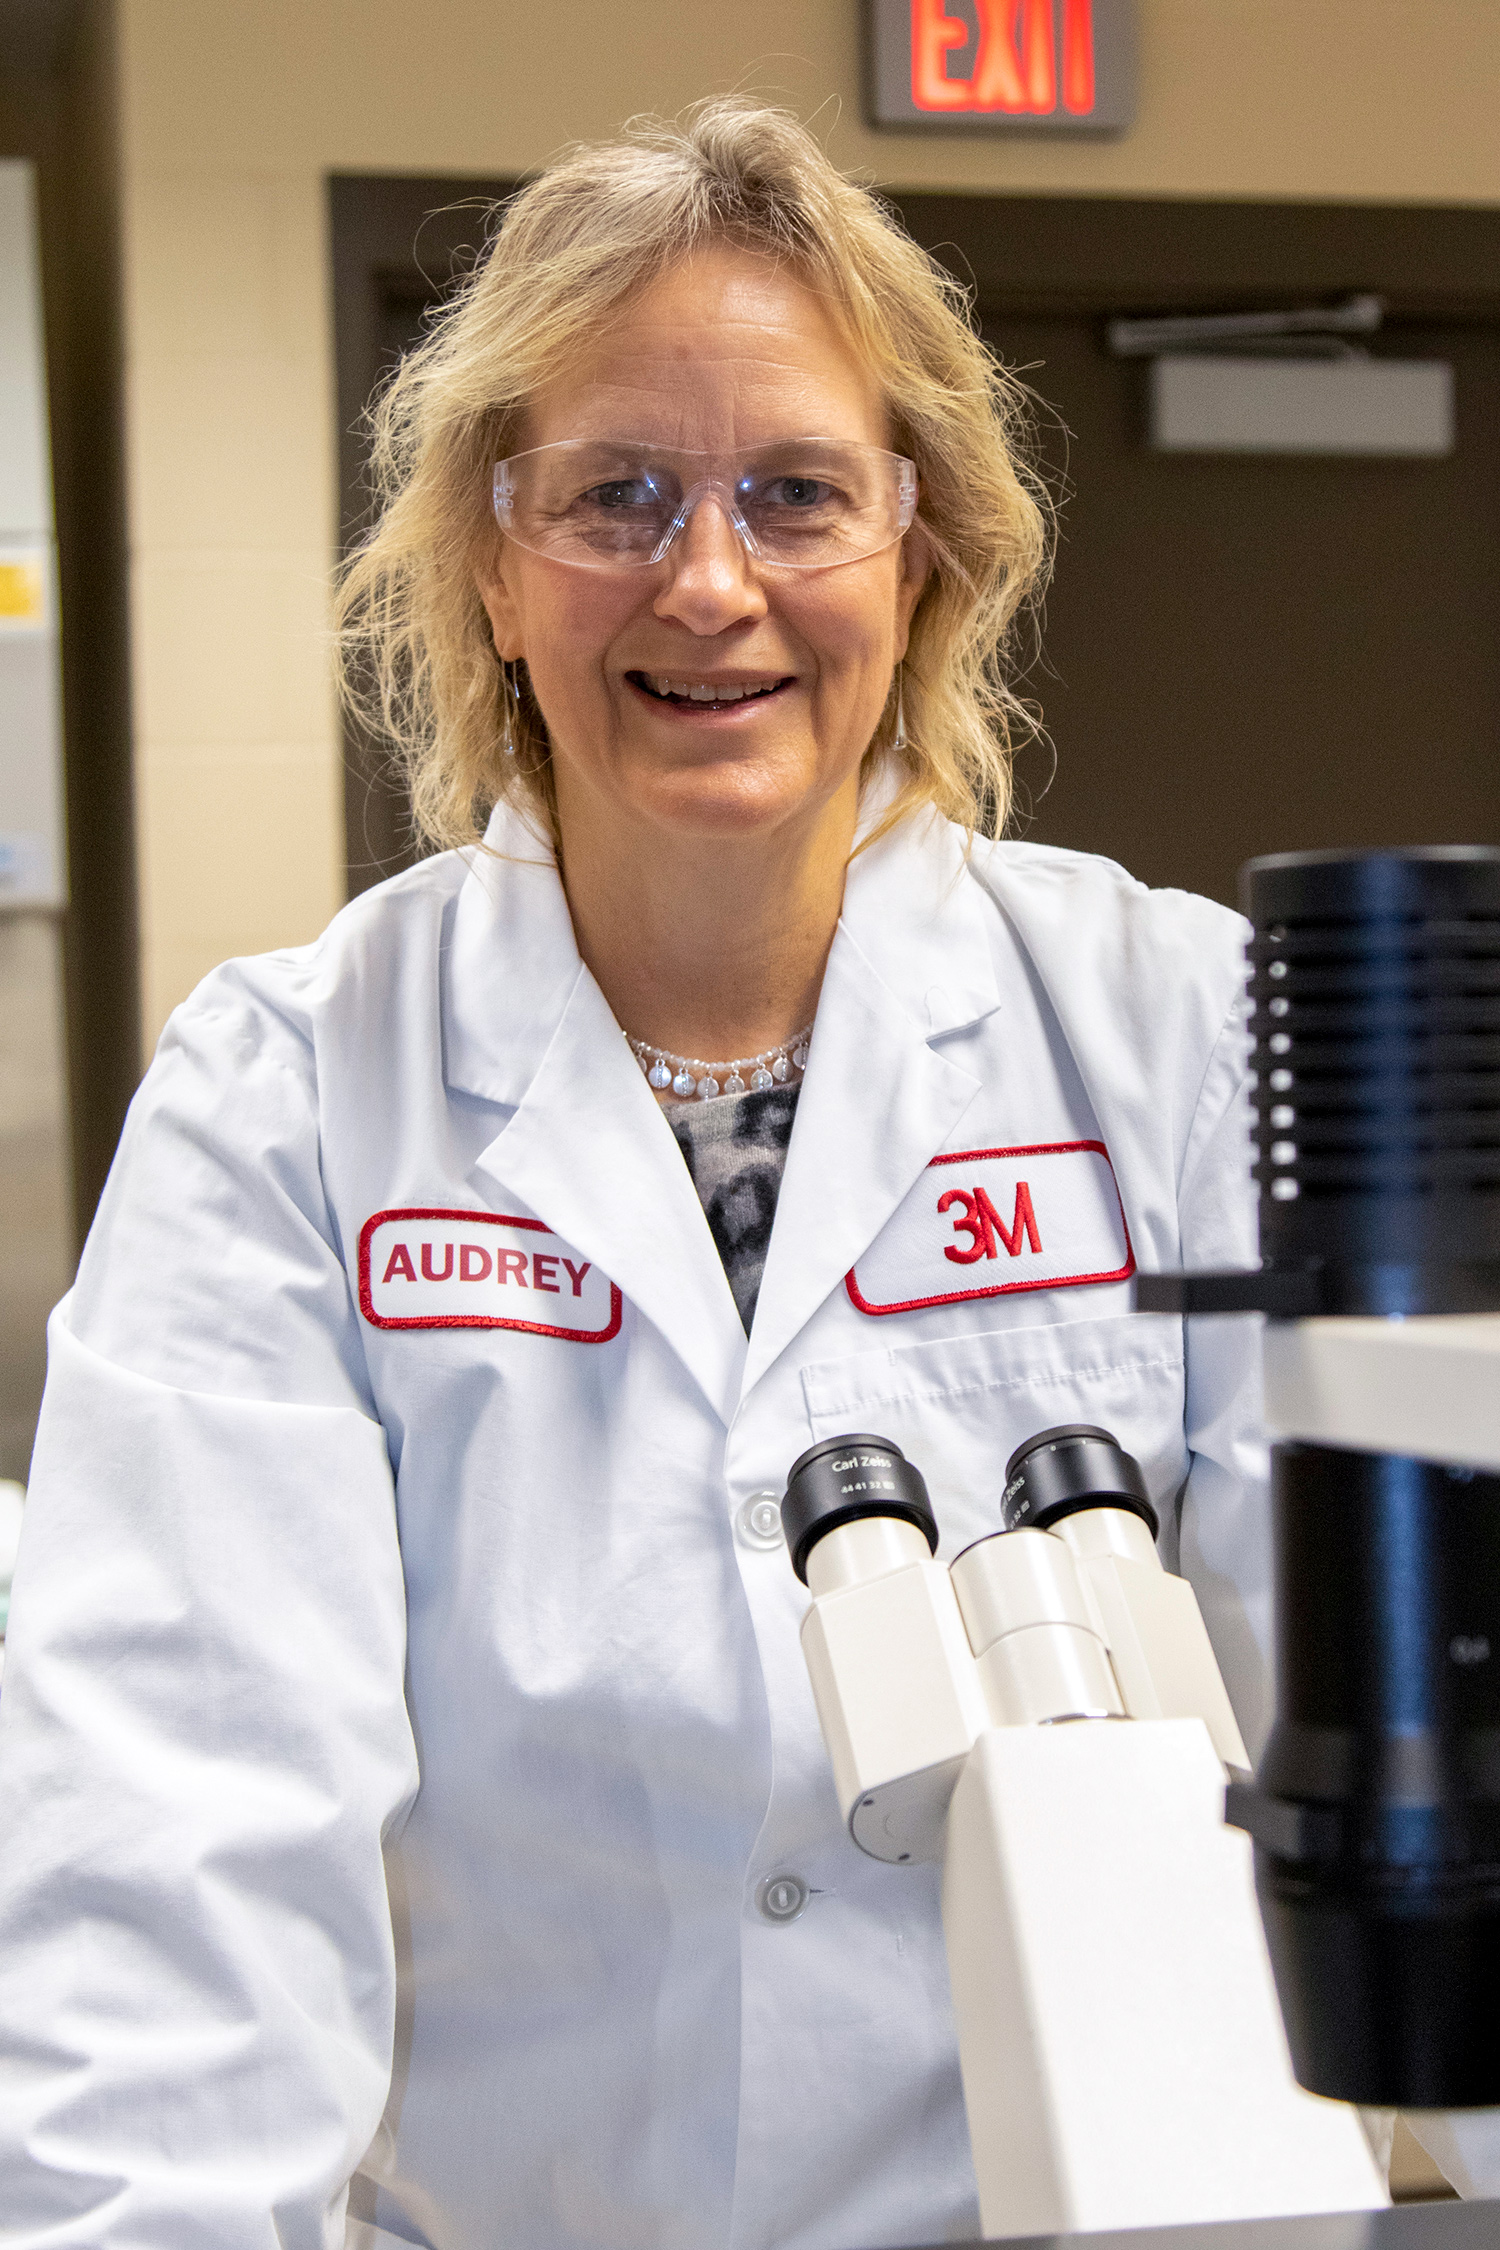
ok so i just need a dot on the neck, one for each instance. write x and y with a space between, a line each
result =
708 946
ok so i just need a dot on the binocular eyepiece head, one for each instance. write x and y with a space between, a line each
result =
1057 1473
845 1480
1062 1471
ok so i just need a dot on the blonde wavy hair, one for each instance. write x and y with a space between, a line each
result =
417 661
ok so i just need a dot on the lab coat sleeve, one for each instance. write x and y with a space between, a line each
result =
1224 1528
203 1736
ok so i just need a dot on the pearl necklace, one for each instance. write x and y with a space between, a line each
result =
689 1074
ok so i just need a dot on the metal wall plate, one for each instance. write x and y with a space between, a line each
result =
1379 407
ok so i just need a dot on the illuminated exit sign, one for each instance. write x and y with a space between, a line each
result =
1000 66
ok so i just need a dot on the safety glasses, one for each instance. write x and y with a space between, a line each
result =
799 504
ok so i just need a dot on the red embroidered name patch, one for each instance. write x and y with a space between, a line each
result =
480 1269
988 1221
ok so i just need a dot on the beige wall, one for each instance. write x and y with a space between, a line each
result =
232 111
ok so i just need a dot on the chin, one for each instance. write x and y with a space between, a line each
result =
728 801
730 797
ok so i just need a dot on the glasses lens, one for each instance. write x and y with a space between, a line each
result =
590 503
814 503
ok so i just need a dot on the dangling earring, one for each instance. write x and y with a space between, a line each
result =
899 740
512 711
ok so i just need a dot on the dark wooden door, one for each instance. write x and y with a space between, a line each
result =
1262 654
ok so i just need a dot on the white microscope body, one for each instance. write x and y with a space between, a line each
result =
1123 2058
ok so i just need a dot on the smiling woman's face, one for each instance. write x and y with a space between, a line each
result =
722 353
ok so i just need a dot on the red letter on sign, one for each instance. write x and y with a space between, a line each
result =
1023 1226
399 1265
932 34
1078 56
1015 73
577 1273
511 1264
473 1263
975 1222
427 1272
542 1270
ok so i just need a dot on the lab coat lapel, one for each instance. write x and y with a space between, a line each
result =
1108 1045
592 1154
1084 941
909 966
586 1147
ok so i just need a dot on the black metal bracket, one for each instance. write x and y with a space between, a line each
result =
1291 1293
1286 1828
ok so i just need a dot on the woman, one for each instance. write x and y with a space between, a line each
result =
411 1773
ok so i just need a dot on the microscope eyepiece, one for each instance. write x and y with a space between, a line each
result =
845 1480
1062 1471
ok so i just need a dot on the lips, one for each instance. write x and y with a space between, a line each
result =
705 695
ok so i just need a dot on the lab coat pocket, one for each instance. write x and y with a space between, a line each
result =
959 1407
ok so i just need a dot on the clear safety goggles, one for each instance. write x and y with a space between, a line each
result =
612 504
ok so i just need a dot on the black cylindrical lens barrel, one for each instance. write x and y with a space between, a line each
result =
1376 1811
845 1479
1061 1471
1375 1015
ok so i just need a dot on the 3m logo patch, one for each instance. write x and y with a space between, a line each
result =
990 1221
480 1269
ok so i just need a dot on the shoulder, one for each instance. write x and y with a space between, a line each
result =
276 1008
1090 925
215 1260
1102 899
239 1078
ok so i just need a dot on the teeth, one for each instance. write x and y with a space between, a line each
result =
701 692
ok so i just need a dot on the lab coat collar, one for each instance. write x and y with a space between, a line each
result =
913 909
586 1146
512 963
910 967
1078 950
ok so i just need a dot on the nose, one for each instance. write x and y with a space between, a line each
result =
713 585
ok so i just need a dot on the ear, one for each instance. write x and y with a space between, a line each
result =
504 613
916 569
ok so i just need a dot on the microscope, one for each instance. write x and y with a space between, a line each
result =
1172 1979
1122 2056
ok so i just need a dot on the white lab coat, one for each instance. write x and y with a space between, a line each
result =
396 1726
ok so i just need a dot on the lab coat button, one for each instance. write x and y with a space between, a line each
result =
759 1522
780 1898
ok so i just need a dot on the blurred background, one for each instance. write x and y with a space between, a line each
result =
219 223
